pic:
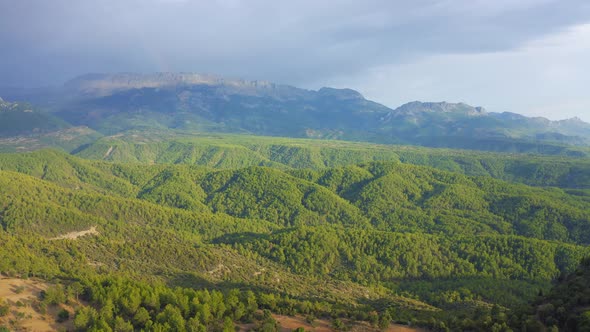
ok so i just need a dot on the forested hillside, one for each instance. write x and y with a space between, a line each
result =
404 242
565 306
237 151
23 118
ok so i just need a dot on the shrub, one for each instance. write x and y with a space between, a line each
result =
4 310
63 315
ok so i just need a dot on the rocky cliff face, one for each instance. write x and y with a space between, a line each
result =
421 109
105 84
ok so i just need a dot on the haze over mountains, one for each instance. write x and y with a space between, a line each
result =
112 103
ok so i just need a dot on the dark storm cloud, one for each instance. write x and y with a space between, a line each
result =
49 41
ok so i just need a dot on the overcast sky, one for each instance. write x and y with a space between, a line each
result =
525 56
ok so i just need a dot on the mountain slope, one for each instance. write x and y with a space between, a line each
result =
194 102
39 207
459 119
393 196
566 305
226 151
458 125
21 119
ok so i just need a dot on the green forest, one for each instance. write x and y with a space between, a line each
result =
202 234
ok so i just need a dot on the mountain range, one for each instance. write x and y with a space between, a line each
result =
114 103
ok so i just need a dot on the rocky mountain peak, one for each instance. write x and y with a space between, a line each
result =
342 94
416 107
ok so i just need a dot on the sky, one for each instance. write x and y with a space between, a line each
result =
523 56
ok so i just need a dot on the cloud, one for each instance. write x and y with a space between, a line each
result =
295 42
544 77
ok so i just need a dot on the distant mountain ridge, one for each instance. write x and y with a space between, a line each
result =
113 103
440 107
103 84
23 118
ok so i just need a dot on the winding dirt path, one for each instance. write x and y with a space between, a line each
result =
108 153
75 235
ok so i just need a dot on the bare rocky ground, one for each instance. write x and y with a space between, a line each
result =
290 323
23 298
74 235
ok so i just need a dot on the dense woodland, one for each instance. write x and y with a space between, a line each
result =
204 237
565 306
238 151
